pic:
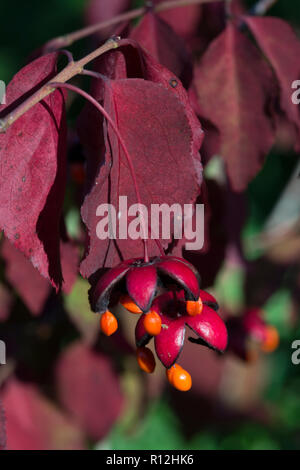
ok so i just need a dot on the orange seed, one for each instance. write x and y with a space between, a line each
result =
152 323
128 303
108 323
179 378
194 307
145 359
272 340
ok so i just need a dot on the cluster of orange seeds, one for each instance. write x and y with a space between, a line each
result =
177 376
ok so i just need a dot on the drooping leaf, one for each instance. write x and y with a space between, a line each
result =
282 48
150 69
130 60
103 10
161 41
233 85
89 389
184 20
32 174
34 423
145 113
30 285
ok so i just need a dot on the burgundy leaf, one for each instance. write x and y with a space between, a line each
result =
30 285
150 69
211 143
131 61
282 48
156 72
34 423
32 176
160 40
89 389
103 10
184 20
144 112
233 85
2 428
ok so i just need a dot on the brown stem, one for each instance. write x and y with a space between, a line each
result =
73 68
68 39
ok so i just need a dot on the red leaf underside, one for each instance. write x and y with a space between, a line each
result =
233 85
32 172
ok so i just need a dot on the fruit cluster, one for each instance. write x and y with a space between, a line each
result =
166 294
250 334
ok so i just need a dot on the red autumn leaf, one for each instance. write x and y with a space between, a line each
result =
30 285
89 389
211 143
34 423
282 48
213 21
131 61
161 41
103 10
233 85
150 69
184 20
2 428
32 173
145 113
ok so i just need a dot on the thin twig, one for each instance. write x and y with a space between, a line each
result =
93 74
70 71
68 39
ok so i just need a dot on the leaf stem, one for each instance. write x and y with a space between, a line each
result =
69 39
100 108
71 70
